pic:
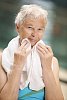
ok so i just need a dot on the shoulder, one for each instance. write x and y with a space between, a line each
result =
55 66
11 47
0 56
2 74
1 68
13 41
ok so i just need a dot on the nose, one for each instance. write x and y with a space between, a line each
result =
34 33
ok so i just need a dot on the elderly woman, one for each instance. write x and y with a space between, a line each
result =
29 70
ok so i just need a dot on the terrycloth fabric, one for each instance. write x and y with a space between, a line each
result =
27 94
32 71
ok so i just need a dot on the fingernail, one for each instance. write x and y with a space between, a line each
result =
26 41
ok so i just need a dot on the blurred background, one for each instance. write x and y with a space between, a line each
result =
56 30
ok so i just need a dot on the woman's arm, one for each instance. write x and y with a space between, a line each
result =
10 88
9 85
50 77
52 84
2 76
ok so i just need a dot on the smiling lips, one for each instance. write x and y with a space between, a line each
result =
32 40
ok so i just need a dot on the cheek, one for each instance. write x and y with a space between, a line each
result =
27 33
40 36
23 34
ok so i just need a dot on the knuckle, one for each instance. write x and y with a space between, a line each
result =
50 47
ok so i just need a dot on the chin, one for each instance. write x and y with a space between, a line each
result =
33 44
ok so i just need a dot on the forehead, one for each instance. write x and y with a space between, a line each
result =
40 21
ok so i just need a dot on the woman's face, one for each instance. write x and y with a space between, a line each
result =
31 28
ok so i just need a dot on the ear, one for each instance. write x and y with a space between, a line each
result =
17 27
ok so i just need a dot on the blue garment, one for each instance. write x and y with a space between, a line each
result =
28 94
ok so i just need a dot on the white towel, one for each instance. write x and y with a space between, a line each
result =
32 71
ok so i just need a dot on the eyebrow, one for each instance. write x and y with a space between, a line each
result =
30 24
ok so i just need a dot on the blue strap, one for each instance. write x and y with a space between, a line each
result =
28 94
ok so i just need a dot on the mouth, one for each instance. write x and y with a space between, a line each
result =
32 40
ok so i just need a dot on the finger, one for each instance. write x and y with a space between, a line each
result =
40 53
24 40
43 47
49 48
23 44
27 46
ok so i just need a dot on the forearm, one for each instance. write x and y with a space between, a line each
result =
53 91
11 88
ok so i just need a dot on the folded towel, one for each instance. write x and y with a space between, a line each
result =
32 71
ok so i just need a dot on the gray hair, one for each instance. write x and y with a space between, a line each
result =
30 10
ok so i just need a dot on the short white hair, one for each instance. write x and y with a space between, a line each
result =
30 10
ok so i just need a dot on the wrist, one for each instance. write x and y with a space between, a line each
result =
17 67
47 74
46 69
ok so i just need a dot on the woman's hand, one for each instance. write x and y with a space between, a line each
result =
21 54
50 77
46 56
